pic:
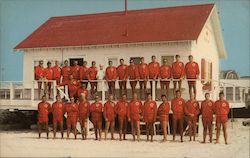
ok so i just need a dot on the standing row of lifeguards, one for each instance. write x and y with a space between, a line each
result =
134 112
77 77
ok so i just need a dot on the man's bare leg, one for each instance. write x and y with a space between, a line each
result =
107 129
39 130
224 125
174 128
61 128
100 130
218 126
112 129
54 129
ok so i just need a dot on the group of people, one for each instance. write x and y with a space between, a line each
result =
77 77
134 111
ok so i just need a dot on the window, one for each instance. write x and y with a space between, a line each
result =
170 59
237 93
229 93
114 61
79 60
137 60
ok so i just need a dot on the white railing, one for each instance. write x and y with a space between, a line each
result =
18 92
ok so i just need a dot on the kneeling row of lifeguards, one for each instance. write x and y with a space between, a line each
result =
133 112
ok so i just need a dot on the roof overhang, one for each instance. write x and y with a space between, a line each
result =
107 45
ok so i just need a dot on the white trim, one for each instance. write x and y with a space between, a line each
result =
105 45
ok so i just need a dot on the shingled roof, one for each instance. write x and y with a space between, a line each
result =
146 25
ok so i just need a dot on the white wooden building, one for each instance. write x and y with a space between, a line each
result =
163 32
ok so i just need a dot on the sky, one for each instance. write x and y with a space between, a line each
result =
19 18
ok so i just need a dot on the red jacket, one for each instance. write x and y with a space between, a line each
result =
58 109
221 107
207 109
178 70
96 112
56 72
75 71
72 110
92 72
44 109
65 73
149 111
81 90
110 73
48 73
83 73
122 72
192 70
135 110
109 111
165 72
121 108
178 107
154 70
192 108
163 111
143 71
73 86
39 72
132 72
84 109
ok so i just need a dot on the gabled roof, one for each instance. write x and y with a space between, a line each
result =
146 25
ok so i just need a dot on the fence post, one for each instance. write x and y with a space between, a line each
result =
54 90
32 92
103 92
153 90
11 92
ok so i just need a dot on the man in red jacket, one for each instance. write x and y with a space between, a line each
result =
192 110
121 111
73 86
207 111
84 90
165 75
163 113
92 72
122 76
58 112
134 114
49 76
149 115
133 75
84 73
178 72
57 72
109 116
72 116
39 76
66 71
154 70
111 76
96 117
143 76
177 106
75 70
44 109
192 73
221 110
84 106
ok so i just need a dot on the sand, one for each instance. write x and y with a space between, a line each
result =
26 144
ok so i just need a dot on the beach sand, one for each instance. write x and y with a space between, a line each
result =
26 144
